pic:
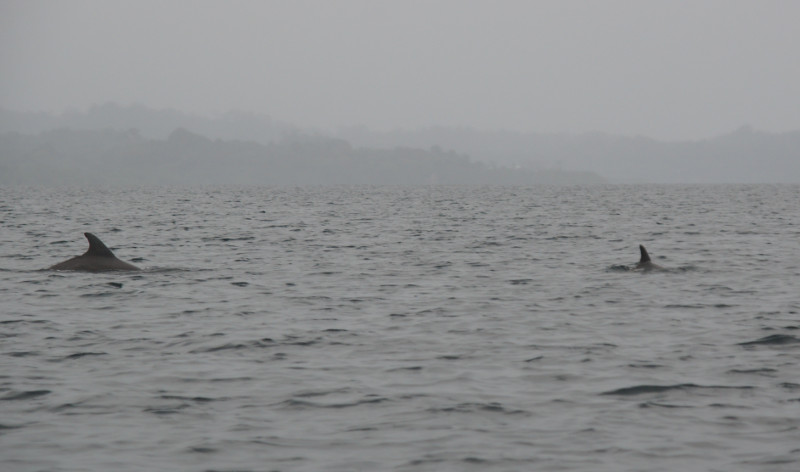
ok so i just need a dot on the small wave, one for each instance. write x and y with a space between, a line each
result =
225 239
310 342
668 270
22 353
416 463
65 407
78 355
753 371
492 407
221 379
262 343
202 449
412 368
99 294
619 268
773 339
192 399
662 405
166 270
482 244
22 321
571 236
321 393
688 268
642 389
165 411
520 281
25 395
293 403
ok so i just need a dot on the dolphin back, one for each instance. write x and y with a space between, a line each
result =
645 263
98 258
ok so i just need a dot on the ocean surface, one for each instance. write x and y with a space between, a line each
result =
402 329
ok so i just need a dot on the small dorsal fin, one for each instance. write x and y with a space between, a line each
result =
96 247
645 255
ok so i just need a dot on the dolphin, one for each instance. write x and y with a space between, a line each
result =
98 258
645 264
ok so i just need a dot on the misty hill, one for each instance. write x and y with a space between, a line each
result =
112 157
745 155
151 123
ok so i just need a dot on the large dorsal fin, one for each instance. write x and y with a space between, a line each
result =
645 255
96 247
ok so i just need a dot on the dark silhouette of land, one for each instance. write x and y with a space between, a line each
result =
112 144
110 157
742 156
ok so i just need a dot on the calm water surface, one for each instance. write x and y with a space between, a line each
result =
402 329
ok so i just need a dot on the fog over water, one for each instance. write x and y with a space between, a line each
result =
663 69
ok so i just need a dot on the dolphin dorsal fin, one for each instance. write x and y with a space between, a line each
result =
96 247
645 255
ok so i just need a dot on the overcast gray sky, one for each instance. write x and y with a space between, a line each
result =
667 69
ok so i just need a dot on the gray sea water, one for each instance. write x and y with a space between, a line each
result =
402 329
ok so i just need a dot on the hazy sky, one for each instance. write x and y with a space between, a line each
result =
667 69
